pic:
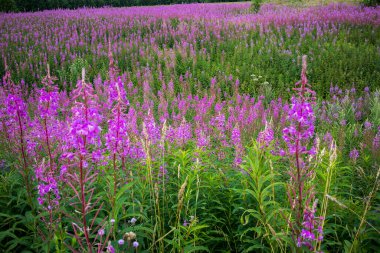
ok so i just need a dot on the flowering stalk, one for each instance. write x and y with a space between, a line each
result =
117 137
84 132
298 136
18 118
117 140
47 123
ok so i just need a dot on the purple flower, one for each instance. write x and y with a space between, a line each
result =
110 248
135 244
47 184
235 136
376 141
117 135
266 136
202 139
120 242
133 221
101 232
327 138
367 125
301 129
312 230
48 103
354 154
85 125
307 235
151 131
183 132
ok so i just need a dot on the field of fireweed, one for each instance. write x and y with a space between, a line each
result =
190 128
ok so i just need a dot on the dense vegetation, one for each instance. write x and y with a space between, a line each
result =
337 53
38 5
34 5
190 128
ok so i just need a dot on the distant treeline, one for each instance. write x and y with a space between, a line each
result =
35 5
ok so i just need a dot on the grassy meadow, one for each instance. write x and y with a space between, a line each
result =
191 128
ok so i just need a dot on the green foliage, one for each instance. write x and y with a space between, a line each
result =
255 5
8 5
204 205
371 2
76 71
263 191
17 222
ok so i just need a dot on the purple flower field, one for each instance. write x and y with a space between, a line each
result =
190 128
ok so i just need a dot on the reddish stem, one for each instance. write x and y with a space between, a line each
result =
25 164
81 182
83 200
114 157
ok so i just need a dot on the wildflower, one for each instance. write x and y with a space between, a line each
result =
185 223
117 135
85 126
135 244
133 221
202 139
376 141
327 138
354 154
266 136
298 137
311 228
367 125
47 185
183 132
48 103
101 232
110 248
235 136
120 242
301 129
112 221
151 130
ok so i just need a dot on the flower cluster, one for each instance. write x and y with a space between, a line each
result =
354 154
312 230
266 136
48 103
301 130
85 125
47 185
117 140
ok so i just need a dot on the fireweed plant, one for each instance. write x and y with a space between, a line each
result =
179 135
81 154
298 137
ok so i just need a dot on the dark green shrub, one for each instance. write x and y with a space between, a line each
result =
371 2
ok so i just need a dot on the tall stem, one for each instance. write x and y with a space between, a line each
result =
114 158
83 200
81 180
25 164
299 185
48 146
